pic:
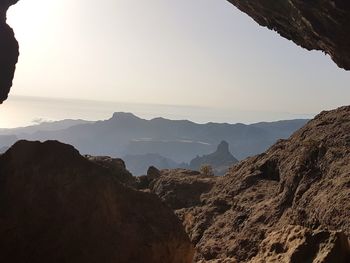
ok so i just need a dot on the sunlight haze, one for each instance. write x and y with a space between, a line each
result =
200 53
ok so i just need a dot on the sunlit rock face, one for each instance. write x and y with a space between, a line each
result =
315 25
8 51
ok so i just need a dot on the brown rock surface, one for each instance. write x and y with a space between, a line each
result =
304 181
56 206
317 24
296 244
8 51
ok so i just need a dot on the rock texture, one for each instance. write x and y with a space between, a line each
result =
317 24
302 181
297 244
8 51
220 160
56 206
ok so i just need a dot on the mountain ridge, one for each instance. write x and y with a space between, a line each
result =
118 136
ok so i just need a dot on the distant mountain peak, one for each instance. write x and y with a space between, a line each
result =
220 160
124 115
223 147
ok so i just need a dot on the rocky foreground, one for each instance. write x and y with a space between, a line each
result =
57 206
290 204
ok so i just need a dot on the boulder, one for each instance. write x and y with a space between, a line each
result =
57 206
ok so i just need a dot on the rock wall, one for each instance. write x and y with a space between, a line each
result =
317 24
8 51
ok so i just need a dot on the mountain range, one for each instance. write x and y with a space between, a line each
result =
176 141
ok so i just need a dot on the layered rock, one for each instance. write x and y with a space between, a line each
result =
57 206
302 181
319 25
8 51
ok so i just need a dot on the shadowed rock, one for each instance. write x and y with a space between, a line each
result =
8 51
56 206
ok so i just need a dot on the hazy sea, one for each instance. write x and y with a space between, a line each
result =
20 111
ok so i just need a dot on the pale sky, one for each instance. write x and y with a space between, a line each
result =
183 52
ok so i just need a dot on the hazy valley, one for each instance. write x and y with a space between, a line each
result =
160 142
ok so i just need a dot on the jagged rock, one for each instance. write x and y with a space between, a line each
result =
320 25
296 244
303 181
220 160
57 206
8 51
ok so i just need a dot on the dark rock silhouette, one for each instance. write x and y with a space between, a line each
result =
319 25
57 206
8 51
220 160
